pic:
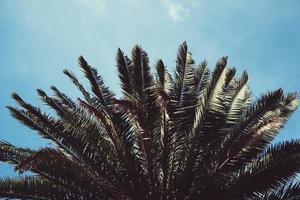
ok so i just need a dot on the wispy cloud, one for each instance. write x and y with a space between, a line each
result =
96 7
176 11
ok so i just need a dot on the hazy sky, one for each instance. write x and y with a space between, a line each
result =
39 38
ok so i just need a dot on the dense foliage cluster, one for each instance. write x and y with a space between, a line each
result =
194 135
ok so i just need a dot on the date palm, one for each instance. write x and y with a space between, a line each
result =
196 135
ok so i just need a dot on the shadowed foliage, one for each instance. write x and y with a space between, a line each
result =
194 135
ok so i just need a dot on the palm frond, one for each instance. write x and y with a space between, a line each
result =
77 83
201 76
54 165
11 154
63 98
102 92
76 135
209 116
281 159
140 71
286 192
123 64
32 188
258 127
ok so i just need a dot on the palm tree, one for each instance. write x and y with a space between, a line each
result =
196 135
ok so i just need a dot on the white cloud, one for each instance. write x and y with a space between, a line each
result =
96 7
175 10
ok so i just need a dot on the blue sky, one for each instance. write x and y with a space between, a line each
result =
38 39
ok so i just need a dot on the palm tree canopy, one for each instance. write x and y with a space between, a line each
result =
195 135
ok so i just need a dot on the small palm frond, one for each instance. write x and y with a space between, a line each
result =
123 64
13 155
139 70
201 76
99 89
63 98
79 85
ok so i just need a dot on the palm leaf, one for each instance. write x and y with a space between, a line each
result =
60 169
123 64
11 154
272 109
281 159
32 188
286 192
100 90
